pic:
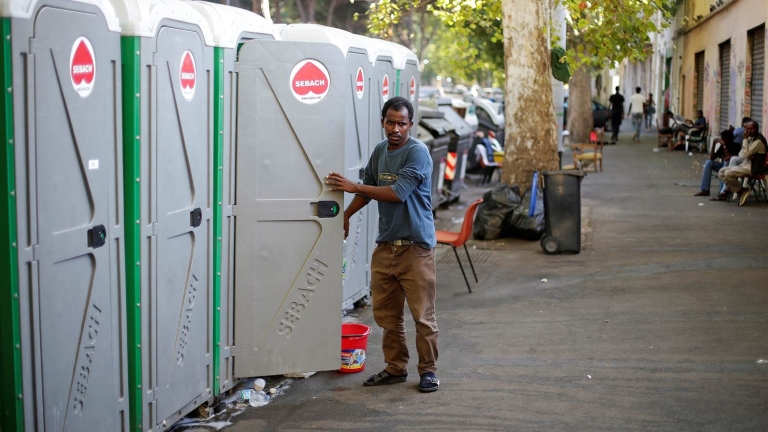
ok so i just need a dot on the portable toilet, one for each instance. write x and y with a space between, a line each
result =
288 243
458 149
61 223
167 119
357 148
381 57
408 80
230 28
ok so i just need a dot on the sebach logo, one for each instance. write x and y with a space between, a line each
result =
82 66
360 83
187 75
385 87
310 81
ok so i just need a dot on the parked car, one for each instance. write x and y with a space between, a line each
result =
601 115
426 92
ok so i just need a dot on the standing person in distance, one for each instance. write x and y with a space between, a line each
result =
636 104
616 101
650 109
398 177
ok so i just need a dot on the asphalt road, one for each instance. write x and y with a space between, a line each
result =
657 325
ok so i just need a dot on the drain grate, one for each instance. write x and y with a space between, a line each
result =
478 257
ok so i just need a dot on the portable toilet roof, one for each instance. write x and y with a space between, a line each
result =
143 17
24 9
378 48
229 23
401 55
322 34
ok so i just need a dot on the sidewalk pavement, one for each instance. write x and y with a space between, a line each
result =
658 324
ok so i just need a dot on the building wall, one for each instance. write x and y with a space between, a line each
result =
731 22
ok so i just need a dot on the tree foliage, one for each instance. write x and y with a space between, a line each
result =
603 32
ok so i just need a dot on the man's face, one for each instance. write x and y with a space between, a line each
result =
750 130
700 114
396 126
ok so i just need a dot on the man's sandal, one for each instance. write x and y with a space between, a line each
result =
428 383
383 378
721 197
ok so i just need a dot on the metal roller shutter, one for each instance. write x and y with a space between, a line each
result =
699 105
758 71
725 82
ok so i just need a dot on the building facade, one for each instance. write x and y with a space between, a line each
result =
711 58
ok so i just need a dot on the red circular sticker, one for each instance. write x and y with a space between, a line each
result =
412 90
310 81
187 75
82 66
385 87
360 82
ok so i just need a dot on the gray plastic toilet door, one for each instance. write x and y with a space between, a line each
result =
288 239
68 150
358 149
181 157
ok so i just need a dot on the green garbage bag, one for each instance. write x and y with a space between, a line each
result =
560 69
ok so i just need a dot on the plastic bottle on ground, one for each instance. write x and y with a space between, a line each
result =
258 398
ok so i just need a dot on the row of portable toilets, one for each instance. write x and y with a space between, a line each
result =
166 229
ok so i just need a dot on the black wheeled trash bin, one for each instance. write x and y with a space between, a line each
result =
562 211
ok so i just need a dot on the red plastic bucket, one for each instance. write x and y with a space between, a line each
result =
354 342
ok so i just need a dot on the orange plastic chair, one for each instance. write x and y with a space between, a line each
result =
456 239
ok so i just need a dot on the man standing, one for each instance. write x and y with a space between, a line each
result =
754 146
616 101
398 176
636 108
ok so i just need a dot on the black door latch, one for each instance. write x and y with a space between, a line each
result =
327 209
97 237
195 217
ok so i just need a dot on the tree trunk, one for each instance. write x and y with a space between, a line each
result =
329 20
580 117
278 18
531 129
256 7
302 12
311 11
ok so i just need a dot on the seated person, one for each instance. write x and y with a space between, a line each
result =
668 124
723 149
734 161
695 130
738 133
754 145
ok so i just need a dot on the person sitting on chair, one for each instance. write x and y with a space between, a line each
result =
735 160
722 150
754 146
696 130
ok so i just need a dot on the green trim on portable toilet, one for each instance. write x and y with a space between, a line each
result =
230 28
408 75
62 159
358 84
12 414
171 201
131 59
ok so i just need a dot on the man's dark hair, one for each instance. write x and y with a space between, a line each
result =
638 89
700 112
727 135
617 89
746 120
757 125
397 103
